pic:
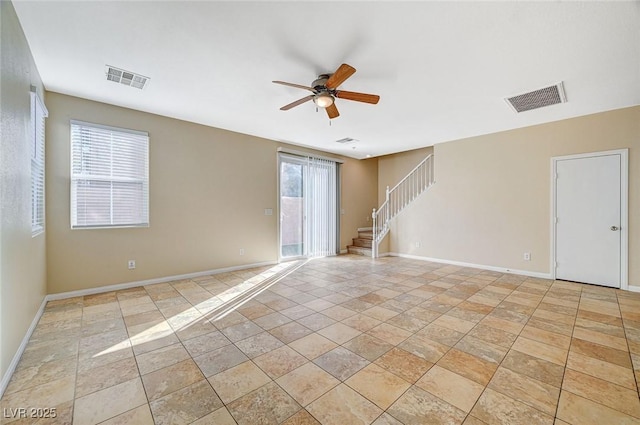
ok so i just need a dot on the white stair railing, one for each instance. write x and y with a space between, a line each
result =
410 187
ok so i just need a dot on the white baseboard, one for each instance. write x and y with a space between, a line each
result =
475 266
633 288
121 286
16 358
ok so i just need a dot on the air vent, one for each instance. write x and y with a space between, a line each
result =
346 140
547 96
127 78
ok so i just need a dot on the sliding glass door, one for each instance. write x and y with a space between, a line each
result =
308 206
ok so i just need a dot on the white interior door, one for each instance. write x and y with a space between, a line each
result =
588 219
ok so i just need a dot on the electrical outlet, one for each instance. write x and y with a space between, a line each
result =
241 251
418 244
368 218
527 256
131 264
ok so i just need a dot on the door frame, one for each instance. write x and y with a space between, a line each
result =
624 209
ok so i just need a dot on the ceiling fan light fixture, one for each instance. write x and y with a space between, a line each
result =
323 100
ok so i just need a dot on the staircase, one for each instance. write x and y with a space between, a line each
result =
362 244
410 187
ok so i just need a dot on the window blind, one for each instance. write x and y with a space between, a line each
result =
109 176
38 115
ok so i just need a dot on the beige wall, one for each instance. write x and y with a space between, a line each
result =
208 191
22 258
491 201
393 168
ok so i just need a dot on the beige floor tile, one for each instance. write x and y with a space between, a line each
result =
161 382
454 323
52 394
239 380
421 346
161 358
386 419
280 361
416 407
342 406
138 416
368 346
493 335
312 346
451 387
41 373
601 352
219 360
404 364
307 383
378 385
290 332
495 408
441 334
380 313
259 344
601 369
218 417
600 338
537 394
577 410
341 363
482 349
473 421
185 405
316 321
339 313
109 402
549 338
389 333
303 417
504 325
469 366
603 392
339 333
204 343
538 323
106 376
541 350
361 322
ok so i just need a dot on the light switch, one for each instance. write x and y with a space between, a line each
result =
268 211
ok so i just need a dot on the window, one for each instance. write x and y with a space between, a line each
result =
38 114
109 176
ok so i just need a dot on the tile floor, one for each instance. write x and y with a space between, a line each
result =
342 341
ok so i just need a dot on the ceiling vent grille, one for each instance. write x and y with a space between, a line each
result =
547 96
346 140
127 78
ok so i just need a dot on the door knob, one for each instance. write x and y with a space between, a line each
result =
614 228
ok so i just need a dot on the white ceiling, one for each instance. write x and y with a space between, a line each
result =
442 69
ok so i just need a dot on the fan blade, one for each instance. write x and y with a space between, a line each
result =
296 103
343 72
332 111
294 85
358 97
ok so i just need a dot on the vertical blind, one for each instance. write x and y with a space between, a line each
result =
321 197
109 176
38 115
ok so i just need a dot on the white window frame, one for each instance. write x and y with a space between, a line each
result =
75 178
37 146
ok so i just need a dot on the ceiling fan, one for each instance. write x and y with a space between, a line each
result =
325 90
